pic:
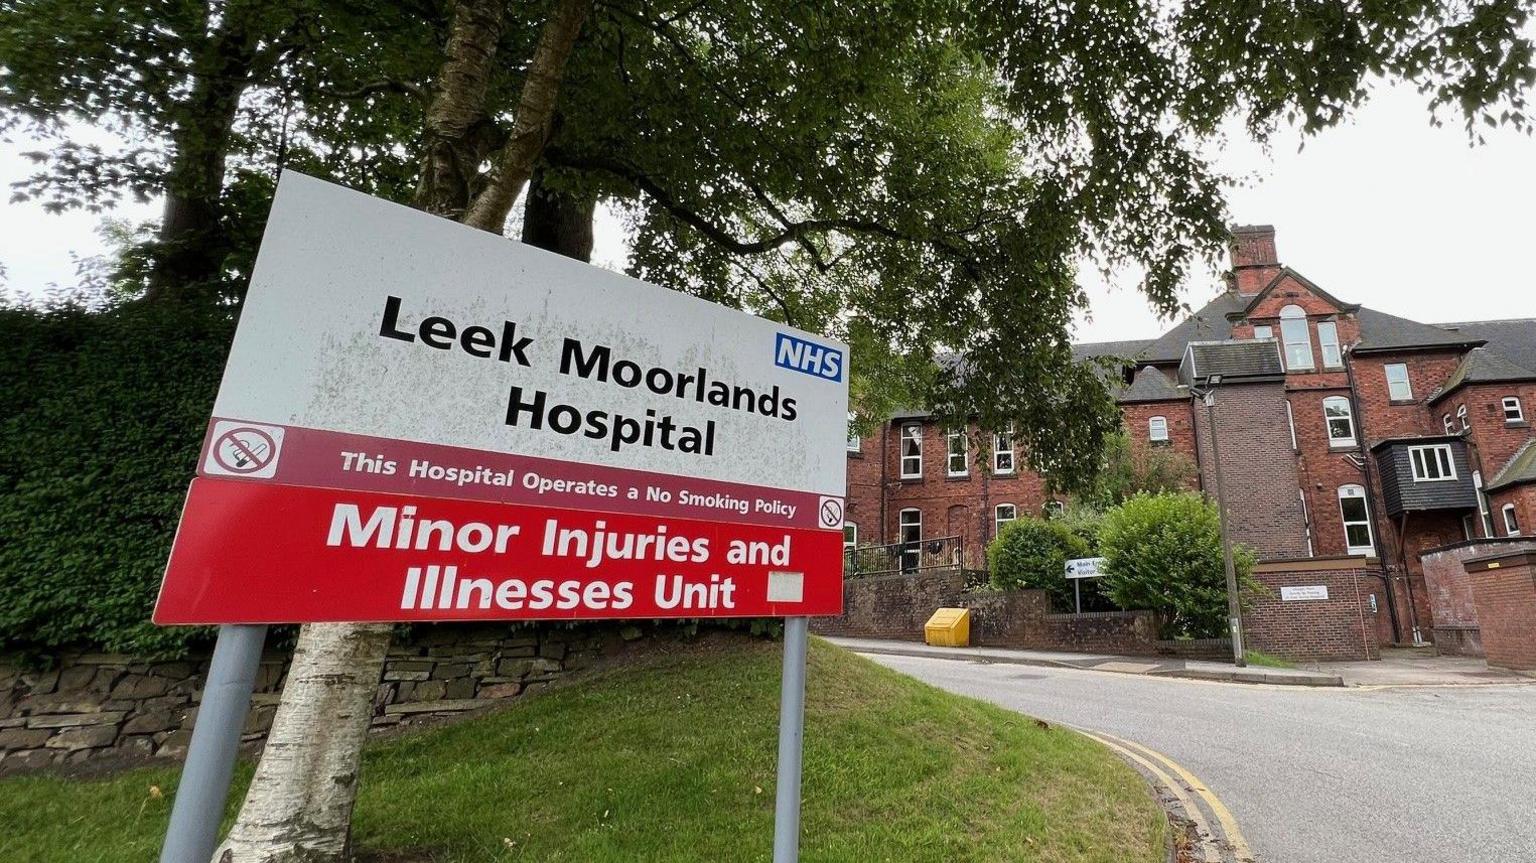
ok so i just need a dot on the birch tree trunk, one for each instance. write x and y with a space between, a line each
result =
299 805
298 808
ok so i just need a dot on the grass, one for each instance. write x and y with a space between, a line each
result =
671 758
1262 659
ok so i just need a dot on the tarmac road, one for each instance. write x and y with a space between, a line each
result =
1358 775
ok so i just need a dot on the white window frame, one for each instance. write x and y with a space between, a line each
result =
1294 332
1356 492
1463 417
1482 503
997 516
999 451
1405 394
912 433
855 443
1263 331
1450 424
1290 419
1348 417
1514 412
950 454
1328 341
1444 460
1153 424
914 546
1511 521
1053 508
850 536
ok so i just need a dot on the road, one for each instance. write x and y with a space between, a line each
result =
1443 774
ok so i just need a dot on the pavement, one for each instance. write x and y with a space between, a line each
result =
1300 774
1156 666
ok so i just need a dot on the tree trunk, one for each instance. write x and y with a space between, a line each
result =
298 808
558 221
535 117
190 246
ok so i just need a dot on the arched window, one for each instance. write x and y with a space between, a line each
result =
1157 429
1297 338
1340 419
1463 418
1357 519
1450 424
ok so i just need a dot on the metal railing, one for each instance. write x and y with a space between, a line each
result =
945 552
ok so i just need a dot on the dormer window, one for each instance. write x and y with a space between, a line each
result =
1297 338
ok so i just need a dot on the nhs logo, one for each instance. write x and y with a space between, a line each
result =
808 357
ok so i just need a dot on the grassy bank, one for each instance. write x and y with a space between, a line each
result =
672 758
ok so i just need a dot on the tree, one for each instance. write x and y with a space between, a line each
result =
1163 553
1033 553
1129 469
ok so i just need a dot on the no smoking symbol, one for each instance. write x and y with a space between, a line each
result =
831 512
244 450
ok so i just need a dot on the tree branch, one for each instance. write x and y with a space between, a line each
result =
534 121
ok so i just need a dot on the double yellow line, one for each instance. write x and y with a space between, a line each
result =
1190 792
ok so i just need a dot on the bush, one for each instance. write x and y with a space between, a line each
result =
1163 553
100 428
1033 553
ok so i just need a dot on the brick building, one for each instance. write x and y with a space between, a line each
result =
1342 432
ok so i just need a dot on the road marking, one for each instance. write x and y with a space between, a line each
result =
1222 813
1207 852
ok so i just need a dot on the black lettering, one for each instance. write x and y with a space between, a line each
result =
512 346
478 341
391 316
534 409
437 333
571 354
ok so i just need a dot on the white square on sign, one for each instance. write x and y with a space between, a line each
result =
243 449
786 587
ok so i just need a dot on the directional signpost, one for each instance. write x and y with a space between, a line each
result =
1080 568
424 422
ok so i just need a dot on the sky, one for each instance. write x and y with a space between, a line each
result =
1386 210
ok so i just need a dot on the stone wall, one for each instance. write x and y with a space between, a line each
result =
1340 627
88 707
1452 610
892 606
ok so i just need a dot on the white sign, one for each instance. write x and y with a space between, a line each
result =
396 351
1304 592
1085 567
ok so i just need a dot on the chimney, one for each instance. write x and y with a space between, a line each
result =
1254 260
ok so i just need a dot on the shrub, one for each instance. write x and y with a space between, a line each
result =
1163 553
100 428
1033 553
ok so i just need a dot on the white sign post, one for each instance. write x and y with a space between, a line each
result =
424 422
1079 568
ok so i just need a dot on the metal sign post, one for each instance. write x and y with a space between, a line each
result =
786 810
204 789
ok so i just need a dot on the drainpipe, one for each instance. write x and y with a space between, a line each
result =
1413 611
1370 492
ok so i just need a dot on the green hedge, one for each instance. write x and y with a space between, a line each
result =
102 417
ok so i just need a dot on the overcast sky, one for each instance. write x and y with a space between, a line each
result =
1388 211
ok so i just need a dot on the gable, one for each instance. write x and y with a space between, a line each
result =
1291 288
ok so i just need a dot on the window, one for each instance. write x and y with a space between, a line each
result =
1005 513
854 444
1482 504
1513 412
1054 508
1511 524
1432 463
850 536
1357 519
1341 421
1450 424
1469 526
1398 387
911 539
1461 417
1297 339
958 463
1157 429
911 451
1328 340
1263 332
1002 451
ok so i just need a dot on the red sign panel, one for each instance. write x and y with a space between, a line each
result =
271 553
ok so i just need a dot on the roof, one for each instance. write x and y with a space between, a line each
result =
1521 468
1417 440
1307 283
1151 385
1128 349
1207 324
1380 331
1481 365
1235 360
1513 339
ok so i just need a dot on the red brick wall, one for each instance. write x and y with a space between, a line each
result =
1506 609
1495 441
1449 588
1181 426
1322 469
1258 467
1524 499
1384 418
1341 627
